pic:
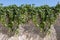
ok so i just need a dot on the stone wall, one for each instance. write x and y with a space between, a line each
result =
29 32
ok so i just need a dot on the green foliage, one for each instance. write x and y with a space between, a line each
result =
42 16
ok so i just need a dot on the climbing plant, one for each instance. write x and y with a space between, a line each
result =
42 16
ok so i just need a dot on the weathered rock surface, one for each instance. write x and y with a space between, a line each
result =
33 35
28 32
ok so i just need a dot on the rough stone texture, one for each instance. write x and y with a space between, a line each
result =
28 32
57 27
25 35
52 35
